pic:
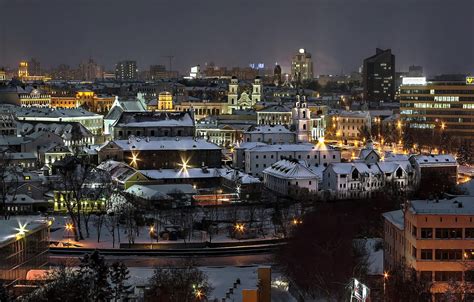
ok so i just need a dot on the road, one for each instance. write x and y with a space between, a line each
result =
146 261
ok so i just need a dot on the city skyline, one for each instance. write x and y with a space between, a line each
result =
338 33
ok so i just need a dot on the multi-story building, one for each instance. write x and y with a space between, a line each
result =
23 246
379 77
154 124
435 238
349 124
261 157
163 153
429 167
302 66
274 115
35 98
278 134
126 71
91 121
439 104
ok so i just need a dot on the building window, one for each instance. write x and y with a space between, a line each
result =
447 255
426 276
469 254
448 276
469 233
427 254
426 233
413 251
451 233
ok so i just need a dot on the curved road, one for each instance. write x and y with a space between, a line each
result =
152 261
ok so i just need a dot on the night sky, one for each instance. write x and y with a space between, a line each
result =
437 34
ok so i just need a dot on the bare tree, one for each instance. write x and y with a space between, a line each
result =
75 173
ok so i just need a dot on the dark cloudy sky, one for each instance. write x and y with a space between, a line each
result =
437 34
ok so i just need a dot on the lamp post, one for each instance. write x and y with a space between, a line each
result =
69 227
385 278
151 231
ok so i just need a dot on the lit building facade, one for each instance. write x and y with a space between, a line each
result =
444 105
302 66
434 237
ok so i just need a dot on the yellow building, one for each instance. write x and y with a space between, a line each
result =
60 203
435 237
35 98
165 101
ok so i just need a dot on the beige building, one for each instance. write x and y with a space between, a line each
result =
436 238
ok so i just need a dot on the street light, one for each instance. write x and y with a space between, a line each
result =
151 231
385 278
69 227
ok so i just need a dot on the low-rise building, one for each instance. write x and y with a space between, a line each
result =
259 158
432 166
289 175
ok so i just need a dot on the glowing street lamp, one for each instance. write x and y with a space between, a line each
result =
69 227
151 231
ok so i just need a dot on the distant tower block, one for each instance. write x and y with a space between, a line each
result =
277 75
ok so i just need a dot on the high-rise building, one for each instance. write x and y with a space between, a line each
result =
90 70
126 71
302 66
277 75
34 67
379 77
415 71
446 104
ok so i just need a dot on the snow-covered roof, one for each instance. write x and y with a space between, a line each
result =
21 155
241 177
155 119
165 143
275 108
292 147
160 192
181 173
22 199
53 112
290 169
9 229
460 205
269 129
437 160
363 168
249 145
396 218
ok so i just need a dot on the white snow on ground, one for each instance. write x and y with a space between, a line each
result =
60 235
375 255
221 279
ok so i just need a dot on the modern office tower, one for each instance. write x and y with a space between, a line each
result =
446 104
302 66
379 77
126 71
